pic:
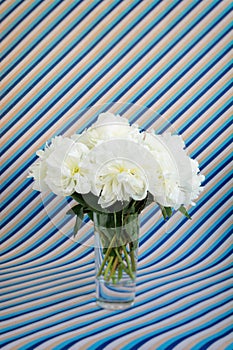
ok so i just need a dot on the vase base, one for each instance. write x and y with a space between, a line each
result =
114 305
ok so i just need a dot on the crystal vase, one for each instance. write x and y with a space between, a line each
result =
116 253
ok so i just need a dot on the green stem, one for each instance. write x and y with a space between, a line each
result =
129 272
106 256
113 267
120 272
131 253
127 260
108 267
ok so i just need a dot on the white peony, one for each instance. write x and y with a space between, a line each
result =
67 171
61 168
120 180
121 170
195 185
39 169
179 178
107 127
116 163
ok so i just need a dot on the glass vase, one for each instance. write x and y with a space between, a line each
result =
116 254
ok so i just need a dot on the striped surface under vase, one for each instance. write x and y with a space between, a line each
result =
60 57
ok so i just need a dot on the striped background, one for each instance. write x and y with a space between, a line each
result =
58 57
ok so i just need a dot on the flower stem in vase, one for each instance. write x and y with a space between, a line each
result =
120 271
113 270
131 253
129 272
128 262
106 256
108 268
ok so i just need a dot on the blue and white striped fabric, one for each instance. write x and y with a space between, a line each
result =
60 57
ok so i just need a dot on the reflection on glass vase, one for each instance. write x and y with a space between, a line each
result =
116 249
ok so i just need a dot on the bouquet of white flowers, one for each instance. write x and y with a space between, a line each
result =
116 169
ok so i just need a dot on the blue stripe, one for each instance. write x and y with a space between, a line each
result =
185 70
42 289
149 48
53 279
142 313
171 343
41 17
137 343
89 310
54 259
213 137
184 238
51 293
205 89
46 271
11 9
179 94
23 168
216 170
161 36
79 58
142 325
227 254
36 319
82 36
221 334
226 69
19 20
48 49
40 207
224 256
23 204
216 152
212 119
66 110
39 118
206 267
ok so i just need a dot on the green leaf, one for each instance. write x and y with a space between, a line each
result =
74 210
130 208
184 212
133 245
164 212
140 205
78 222
90 215
168 211
78 198
149 199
